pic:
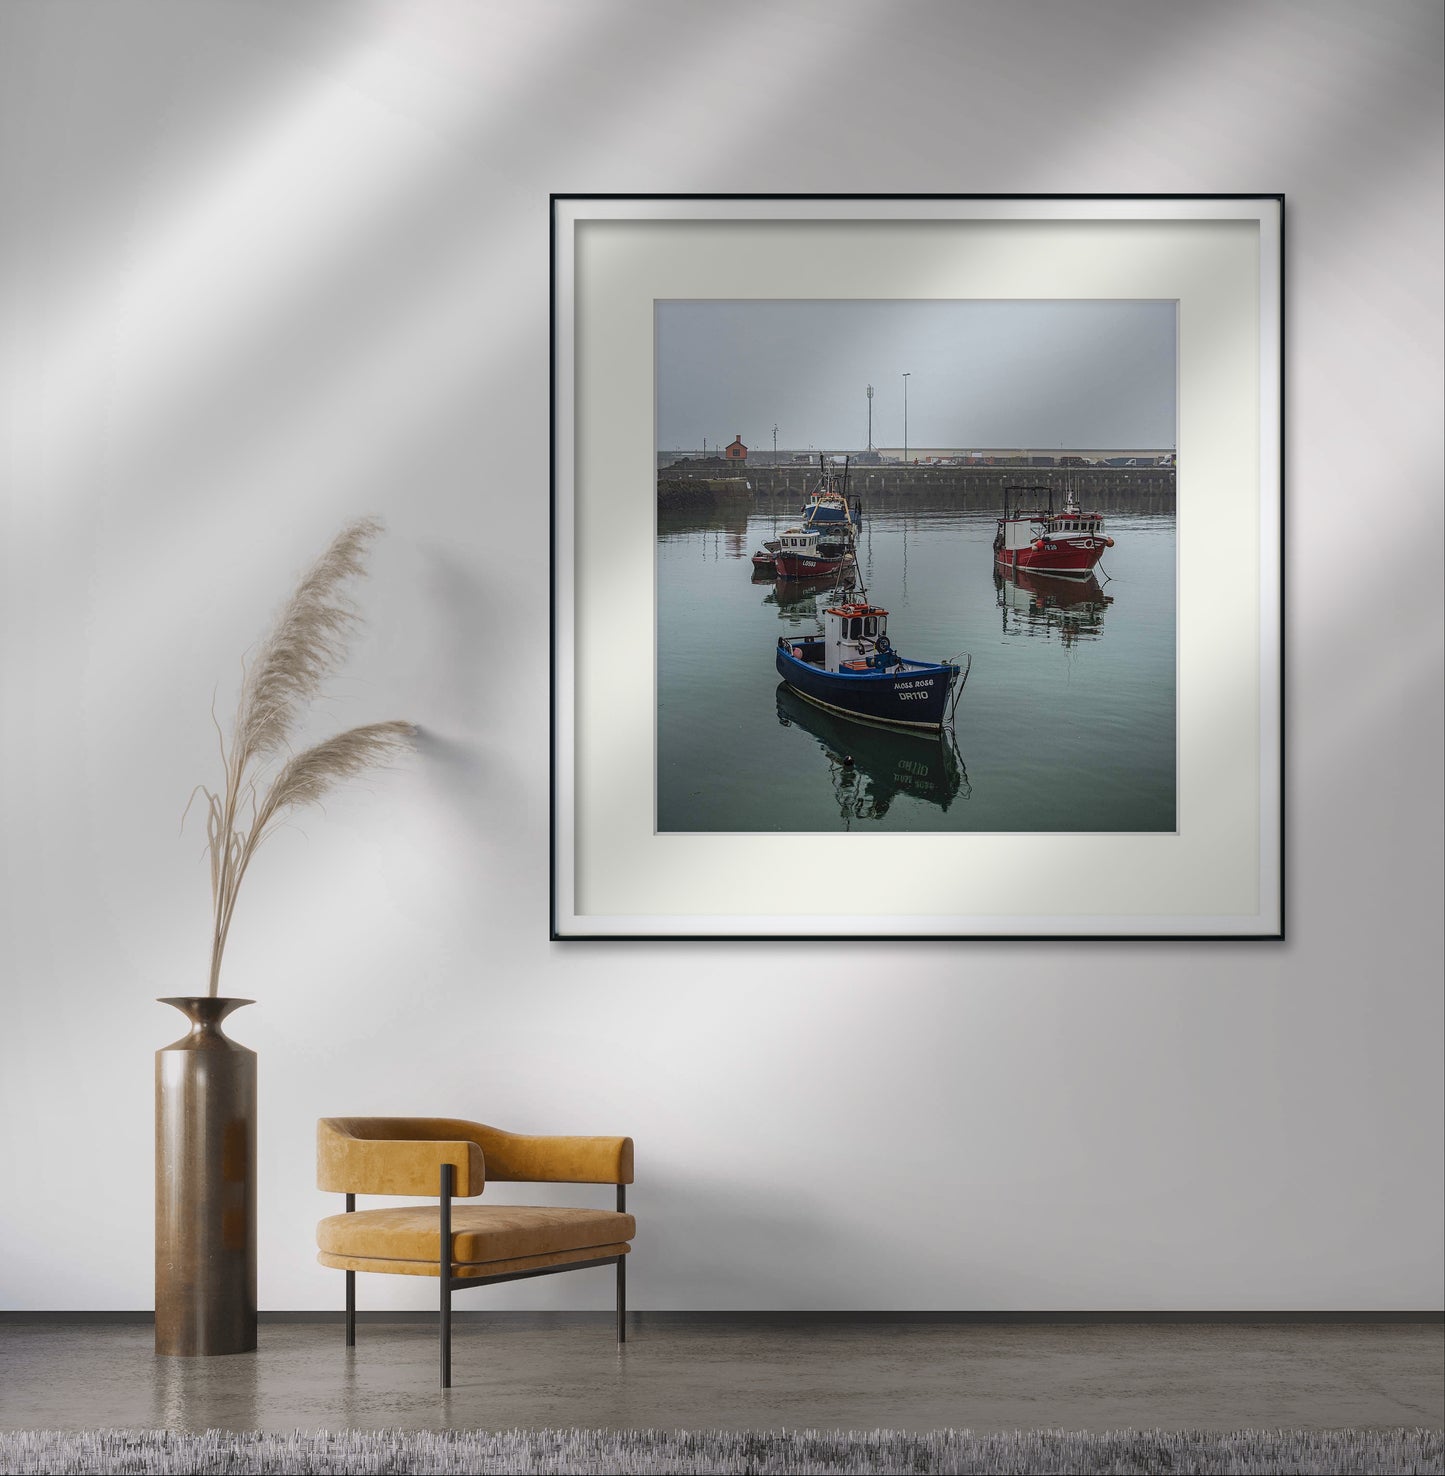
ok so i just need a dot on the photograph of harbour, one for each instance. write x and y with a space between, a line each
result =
916 566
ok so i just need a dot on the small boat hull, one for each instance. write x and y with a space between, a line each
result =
913 694
808 565
1064 558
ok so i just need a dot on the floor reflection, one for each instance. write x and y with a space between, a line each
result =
207 1393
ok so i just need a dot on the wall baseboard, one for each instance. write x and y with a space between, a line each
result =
641 1319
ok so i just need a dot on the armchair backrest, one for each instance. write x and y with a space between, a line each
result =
404 1155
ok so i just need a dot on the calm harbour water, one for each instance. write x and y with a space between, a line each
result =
1067 722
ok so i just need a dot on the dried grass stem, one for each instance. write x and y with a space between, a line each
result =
306 644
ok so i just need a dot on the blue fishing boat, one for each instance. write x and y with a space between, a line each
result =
850 667
827 509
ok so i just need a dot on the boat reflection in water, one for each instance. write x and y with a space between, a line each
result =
869 767
790 590
1037 604
794 597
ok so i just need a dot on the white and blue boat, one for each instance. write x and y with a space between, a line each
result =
850 667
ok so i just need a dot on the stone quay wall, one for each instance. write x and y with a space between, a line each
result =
974 484
693 493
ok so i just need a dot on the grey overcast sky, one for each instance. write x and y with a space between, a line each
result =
1008 374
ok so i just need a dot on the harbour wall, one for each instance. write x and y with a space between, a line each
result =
983 484
694 494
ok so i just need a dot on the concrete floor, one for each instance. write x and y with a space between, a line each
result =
695 1374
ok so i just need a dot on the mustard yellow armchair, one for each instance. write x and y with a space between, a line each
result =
466 1245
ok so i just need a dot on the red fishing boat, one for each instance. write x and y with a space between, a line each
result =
1032 536
804 553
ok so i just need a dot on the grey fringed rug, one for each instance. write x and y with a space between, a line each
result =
758 1453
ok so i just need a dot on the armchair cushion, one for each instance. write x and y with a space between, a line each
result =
480 1233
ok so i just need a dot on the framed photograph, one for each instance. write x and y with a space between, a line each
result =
917 567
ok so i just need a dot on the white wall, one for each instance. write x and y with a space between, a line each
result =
266 266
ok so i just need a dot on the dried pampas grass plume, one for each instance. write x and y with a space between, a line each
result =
306 777
306 644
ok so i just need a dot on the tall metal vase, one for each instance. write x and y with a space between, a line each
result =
205 1187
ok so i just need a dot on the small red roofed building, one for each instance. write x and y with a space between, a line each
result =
736 451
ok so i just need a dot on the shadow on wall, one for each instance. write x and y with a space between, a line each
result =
705 1246
476 780
464 630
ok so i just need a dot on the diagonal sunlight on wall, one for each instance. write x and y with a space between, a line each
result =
391 371
235 245
113 618
227 394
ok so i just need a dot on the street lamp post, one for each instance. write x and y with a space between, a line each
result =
775 445
870 417
905 418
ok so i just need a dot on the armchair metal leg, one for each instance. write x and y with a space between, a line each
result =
621 1274
447 1282
350 1288
446 1333
444 1269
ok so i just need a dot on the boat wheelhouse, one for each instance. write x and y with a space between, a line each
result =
1032 536
850 667
805 553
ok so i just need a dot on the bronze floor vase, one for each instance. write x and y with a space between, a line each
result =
205 1187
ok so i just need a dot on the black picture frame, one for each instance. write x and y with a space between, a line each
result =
571 919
